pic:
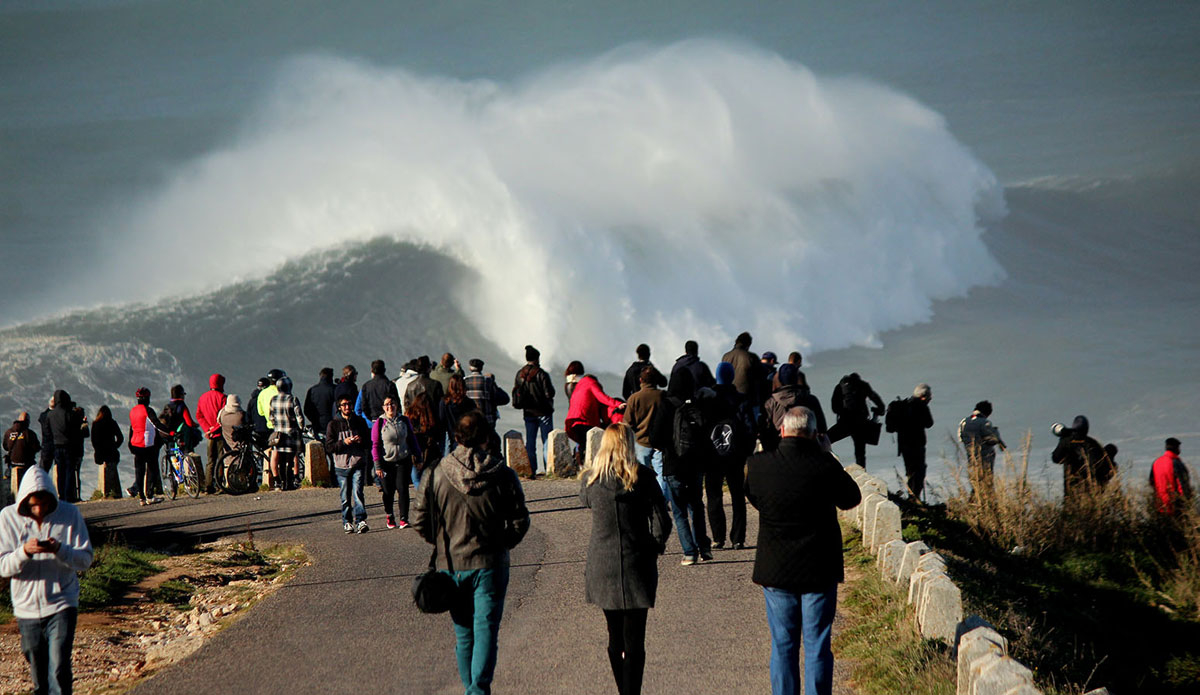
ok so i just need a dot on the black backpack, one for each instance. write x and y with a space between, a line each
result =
897 415
526 393
851 395
689 432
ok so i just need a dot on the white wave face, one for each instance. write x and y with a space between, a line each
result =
652 194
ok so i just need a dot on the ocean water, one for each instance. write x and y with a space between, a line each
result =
995 198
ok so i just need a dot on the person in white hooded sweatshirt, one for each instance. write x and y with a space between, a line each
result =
43 544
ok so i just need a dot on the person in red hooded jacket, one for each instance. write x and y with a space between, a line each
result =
1171 481
590 407
207 409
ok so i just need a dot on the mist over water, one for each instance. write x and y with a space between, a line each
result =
653 193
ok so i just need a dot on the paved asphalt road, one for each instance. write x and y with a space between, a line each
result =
346 624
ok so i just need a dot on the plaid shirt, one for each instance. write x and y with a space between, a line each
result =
286 415
479 390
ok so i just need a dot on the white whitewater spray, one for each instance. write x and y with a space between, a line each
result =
652 194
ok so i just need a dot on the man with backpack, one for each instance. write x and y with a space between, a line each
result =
849 403
683 463
908 419
788 395
533 393
730 422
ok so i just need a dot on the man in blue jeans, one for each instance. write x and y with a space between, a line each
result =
533 393
642 413
43 543
348 440
798 560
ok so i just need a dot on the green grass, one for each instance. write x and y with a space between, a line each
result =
176 592
880 636
114 569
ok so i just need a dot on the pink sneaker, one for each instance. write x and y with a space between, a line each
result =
403 524
391 521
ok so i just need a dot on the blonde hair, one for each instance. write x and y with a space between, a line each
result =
615 459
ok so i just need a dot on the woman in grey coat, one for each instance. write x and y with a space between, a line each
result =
630 526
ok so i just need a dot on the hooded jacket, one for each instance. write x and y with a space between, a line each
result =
702 377
319 404
46 583
65 426
209 406
473 509
1172 483
590 404
21 444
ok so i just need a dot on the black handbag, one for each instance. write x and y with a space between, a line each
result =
433 591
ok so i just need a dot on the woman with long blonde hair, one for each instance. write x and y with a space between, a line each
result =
630 527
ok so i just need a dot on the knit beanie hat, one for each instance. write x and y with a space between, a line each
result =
724 373
788 375
532 354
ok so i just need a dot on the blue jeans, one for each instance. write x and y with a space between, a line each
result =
688 507
533 425
350 480
46 644
809 617
416 478
476 613
652 458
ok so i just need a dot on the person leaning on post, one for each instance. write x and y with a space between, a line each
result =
798 559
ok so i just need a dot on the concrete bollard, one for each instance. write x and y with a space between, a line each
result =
941 609
998 675
560 460
316 466
886 526
908 564
869 504
515 453
594 436
890 554
973 646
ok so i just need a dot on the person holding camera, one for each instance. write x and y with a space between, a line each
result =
1085 463
43 544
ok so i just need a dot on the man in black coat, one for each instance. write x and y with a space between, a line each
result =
798 560
318 402
690 360
376 390
632 383
910 438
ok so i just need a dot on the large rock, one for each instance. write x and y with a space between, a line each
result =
561 460
908 564
316 466
515 453
594 436
886 526
973 646
941 610
869 505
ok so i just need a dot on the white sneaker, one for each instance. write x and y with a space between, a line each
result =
362 527
688 560
347 527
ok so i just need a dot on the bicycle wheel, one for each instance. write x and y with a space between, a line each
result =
191 475
170 481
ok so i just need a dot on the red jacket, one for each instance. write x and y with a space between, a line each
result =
142 428
1167 485
209 406
590 404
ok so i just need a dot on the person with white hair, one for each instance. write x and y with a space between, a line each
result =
798 556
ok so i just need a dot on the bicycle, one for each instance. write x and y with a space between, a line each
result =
239 468
180 467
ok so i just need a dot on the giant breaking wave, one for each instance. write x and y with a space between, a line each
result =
652 194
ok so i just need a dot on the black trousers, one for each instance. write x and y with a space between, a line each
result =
627 648
914 469
719 471
144 461
395 480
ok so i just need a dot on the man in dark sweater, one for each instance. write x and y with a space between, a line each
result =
632 381
798 560
318 403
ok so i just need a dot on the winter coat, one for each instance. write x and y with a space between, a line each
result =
633 378
143 428
590 405
374 392
488 397
387 436
209 406
788 397
449 413
701 376
857 393
747 371
472 506
797 490
348 456
1083 460
21 444
629 531
639 412
107 440
47 439
427 385
263 405
259 421
1172 483
442 375
319 404
346 389
541 386
910 434
44 584
228 420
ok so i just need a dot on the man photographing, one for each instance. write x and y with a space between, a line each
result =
43 544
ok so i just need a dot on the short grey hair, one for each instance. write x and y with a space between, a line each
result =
799 422
922 391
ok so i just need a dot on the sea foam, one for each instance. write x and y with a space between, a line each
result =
652 194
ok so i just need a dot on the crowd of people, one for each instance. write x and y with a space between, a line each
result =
673 442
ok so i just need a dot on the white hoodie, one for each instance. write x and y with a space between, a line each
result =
45 583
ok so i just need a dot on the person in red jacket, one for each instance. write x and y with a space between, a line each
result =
207 409
145 441
590 407
1171 480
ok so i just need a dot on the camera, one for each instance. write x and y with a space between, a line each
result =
1060 430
